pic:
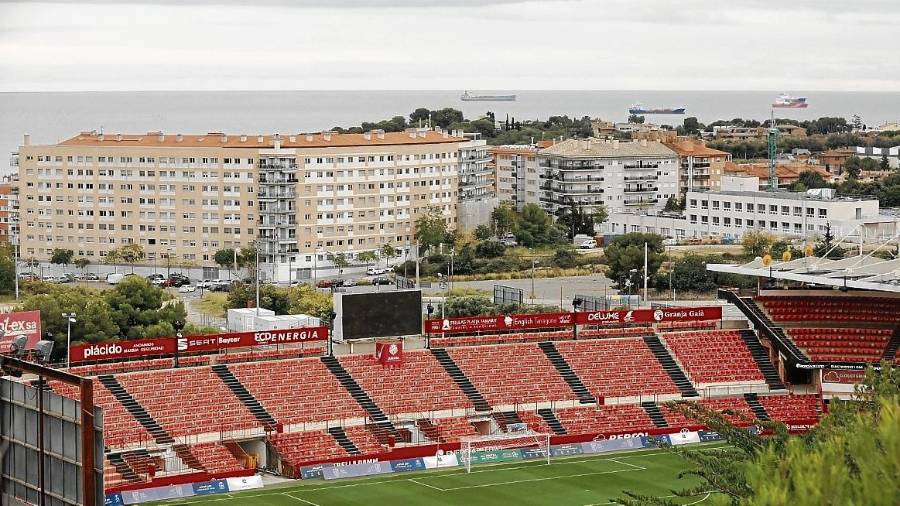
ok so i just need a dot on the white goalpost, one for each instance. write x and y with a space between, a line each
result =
473 449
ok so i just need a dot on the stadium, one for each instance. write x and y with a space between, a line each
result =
561 408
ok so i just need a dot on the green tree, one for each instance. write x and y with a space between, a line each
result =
305 299
131 254
578 220
565 258
389 253
691 126
504 219
674 205
851 457
884 165
825 247
339 260
757 243
536 227
139 310
367 257
7 269
636 119
431 228
627 253
82 263
853 167
483 232
225 258
812 179
60 256
490 249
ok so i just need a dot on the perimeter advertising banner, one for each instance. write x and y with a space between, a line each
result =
675 314
498 322
555 320
13 325
126 349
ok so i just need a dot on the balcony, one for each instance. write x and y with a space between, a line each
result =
648 177
277 164
638 202
641 166
649 189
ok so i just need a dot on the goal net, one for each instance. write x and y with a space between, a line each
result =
504 447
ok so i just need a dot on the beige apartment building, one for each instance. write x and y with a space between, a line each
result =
516 173
298 196
700 168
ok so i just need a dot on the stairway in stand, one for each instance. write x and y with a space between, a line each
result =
122 467
761 356
341 437
462 381
137 411
429 430
890 352
565 370
187 456
244 395
756 407
655 414
758 313
384 430
504 418
550 418
670 366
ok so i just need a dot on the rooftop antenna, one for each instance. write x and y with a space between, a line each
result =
773 146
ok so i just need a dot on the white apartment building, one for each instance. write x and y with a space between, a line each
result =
298 197
730 213
516 174
477 183
619 175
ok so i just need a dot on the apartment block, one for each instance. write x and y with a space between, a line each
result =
699 167
299 197
516 174
639 175
477 183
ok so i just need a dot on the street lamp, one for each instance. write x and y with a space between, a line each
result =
576 303
70 319
430 309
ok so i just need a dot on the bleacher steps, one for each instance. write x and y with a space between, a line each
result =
122 467
187 456
550 419
429 430
757 408
341 437
893 345
655 414
135 409
504 418
756 312
385 428
461 380
244 395
565 370
668 364
761 356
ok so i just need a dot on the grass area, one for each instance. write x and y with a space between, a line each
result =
540 272
573 481
212 304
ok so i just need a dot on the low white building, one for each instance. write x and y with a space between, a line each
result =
892 154
733 211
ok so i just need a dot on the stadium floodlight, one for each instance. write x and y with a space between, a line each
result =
537 445
18 345
70 319
43 349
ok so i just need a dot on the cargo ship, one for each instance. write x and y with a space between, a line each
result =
785 101
469 97
640 109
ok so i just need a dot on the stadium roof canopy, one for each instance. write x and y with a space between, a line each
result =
863 272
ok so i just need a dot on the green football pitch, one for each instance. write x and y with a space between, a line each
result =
578 480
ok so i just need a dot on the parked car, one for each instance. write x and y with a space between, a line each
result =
206 283
155 275
376 271
382 280
91 277
177 280
509 240
328 283
589 244
348 282
114 278
219 285
670 241
187 289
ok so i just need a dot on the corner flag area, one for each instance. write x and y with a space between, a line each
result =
571 481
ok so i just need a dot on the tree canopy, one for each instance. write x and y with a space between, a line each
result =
431 228
627 253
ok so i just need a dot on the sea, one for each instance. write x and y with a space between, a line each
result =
53 116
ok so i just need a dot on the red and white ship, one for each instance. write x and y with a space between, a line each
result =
785 101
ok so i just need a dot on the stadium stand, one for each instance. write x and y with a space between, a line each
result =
422 385
617 367
604 419
511 373
777 407
448 430
841 344
285 390
714 356
869 310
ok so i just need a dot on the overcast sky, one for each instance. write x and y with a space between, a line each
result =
450 44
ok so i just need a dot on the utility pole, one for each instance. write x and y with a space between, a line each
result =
417 264
773 148
256 247
645 272
16 263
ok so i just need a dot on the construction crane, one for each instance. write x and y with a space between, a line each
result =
773 148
